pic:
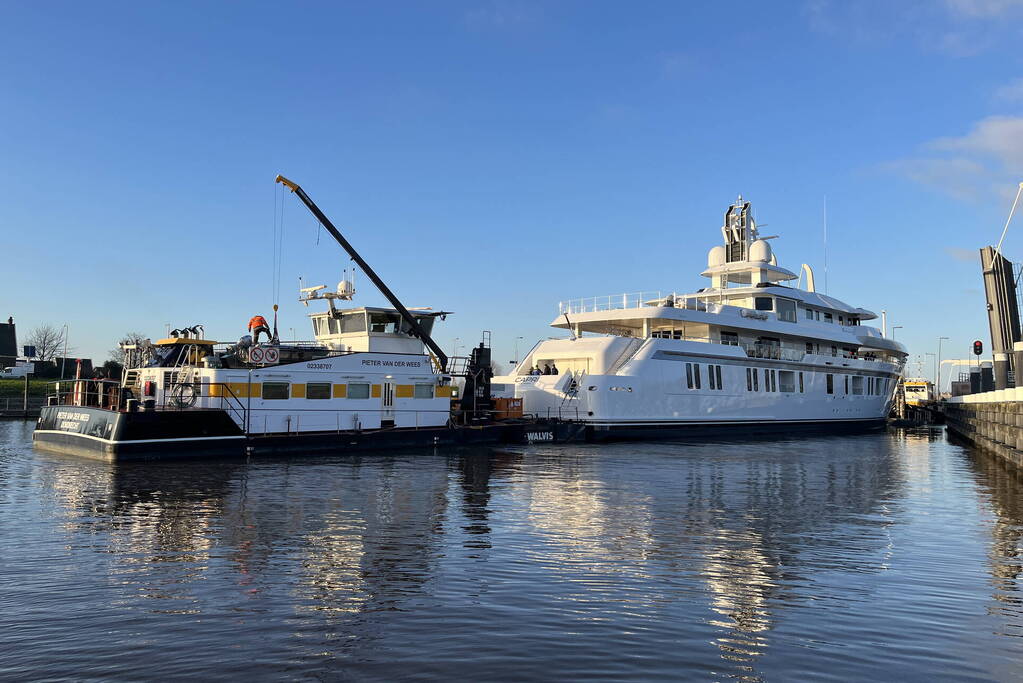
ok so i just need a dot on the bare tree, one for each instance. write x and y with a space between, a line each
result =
117 355
48 340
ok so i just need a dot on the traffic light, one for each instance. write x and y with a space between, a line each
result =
978 347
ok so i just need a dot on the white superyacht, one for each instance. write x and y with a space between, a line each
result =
747 353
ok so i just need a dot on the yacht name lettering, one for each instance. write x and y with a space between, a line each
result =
394 363
539 436
65 415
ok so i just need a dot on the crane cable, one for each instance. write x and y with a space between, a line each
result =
278 255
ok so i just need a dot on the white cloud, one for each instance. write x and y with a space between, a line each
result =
997 138
987 161
986 9
958 28
1012 92
498 15
963 255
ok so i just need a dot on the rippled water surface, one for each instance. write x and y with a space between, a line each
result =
876 557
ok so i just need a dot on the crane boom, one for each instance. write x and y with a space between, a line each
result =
413 324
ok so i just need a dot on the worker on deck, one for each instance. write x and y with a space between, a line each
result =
256 325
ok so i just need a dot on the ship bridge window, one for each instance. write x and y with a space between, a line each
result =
857 385
763 303
828 318
730 338
334 325
786 310
383 323
275 391
423 391
353 322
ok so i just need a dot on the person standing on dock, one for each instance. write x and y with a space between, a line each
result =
256 325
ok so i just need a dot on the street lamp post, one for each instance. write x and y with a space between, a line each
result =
937 369
63 360
515 362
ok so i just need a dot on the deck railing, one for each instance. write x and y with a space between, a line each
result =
616 302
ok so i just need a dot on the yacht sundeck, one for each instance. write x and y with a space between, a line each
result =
749 351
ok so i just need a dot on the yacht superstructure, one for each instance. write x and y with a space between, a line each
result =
749 350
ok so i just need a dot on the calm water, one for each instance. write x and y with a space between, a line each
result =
848 558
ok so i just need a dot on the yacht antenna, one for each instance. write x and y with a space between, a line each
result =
413 324
825 244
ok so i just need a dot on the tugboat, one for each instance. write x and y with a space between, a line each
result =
748 354
372 378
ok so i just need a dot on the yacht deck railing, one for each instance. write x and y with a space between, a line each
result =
616 302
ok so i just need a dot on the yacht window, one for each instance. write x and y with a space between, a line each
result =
756 380
689 375
710 377
831 384
828 318
424 391
800 382
717 371
816 315
275 391
834 350
334 325
774 380
841 320
749 380
358 390
317 390
767 379
809 313
787 310
847 384
809 347
730 338
857 385
763 303
787 381
696 374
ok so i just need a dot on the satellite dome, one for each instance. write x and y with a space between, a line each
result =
716 256
345 289
760 251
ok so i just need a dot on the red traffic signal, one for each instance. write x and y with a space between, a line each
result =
978 347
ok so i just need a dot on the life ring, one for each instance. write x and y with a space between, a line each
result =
183 396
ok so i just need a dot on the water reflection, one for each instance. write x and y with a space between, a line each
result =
706 560
1002 485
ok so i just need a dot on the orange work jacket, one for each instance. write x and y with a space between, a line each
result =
257 321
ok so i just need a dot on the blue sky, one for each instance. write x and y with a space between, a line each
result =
493 158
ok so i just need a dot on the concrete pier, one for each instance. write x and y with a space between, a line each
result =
992 421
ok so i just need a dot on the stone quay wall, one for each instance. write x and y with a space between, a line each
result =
996 427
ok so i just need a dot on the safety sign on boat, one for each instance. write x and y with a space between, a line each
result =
267 355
